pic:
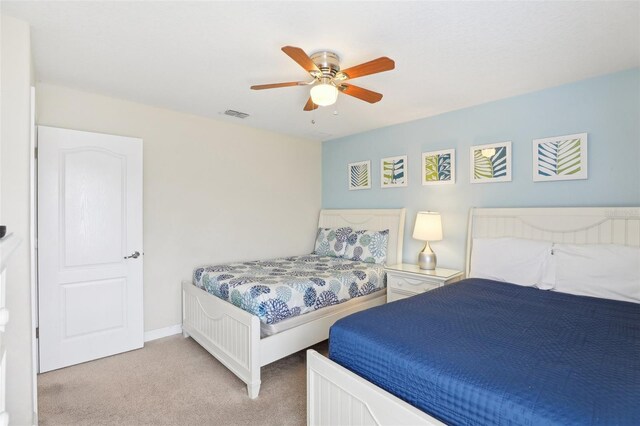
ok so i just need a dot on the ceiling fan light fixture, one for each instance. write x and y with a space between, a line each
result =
328 79
324 94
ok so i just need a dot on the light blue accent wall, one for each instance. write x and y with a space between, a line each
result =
606 107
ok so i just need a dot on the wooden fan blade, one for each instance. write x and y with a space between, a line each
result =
360 93
276 85
310 106
371 67
301 58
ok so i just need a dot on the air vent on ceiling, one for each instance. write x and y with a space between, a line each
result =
237 114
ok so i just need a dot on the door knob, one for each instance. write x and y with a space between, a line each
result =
133 256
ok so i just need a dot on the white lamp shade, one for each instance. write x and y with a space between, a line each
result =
428 227
324 94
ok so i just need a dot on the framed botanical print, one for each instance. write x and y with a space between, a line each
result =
490 163
359 175
560 158
439 167
393 172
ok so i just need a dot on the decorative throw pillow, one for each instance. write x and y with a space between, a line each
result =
367 246
331 242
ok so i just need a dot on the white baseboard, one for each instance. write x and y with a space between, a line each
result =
159 333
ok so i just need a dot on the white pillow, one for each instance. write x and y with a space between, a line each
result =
606 270
512 260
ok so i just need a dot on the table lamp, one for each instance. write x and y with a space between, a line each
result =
428 228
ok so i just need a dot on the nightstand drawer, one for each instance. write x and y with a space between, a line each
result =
394 294
411 285
406 280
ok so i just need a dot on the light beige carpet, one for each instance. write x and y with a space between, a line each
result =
171 381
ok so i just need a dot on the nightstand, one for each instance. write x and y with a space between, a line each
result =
406 280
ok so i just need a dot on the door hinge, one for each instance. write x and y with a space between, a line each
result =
35 152
37 332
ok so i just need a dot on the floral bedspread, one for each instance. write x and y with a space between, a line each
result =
278 289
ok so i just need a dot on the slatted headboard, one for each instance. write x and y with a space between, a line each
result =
573 225
372 220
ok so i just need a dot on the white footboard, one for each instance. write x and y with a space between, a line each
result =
225 331
233 335
336 396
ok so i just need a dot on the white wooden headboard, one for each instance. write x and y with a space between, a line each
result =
373 220
573 225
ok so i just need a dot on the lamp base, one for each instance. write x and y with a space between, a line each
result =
427 258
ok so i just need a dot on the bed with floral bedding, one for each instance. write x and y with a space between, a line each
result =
250 314
274 290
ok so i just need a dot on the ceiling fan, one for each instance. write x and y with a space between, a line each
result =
329 80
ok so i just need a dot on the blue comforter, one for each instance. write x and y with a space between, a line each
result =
481 352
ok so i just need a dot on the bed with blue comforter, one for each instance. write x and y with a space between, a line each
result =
278 289
482 352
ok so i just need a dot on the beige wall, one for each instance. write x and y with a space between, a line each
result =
213 191
14 212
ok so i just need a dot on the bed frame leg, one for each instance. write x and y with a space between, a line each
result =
184 333
253 390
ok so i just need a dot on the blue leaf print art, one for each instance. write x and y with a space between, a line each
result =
491 163
393 171
360 175
438 167
560 158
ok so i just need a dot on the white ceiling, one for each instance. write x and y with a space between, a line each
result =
201 57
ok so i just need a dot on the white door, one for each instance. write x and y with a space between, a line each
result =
89 231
